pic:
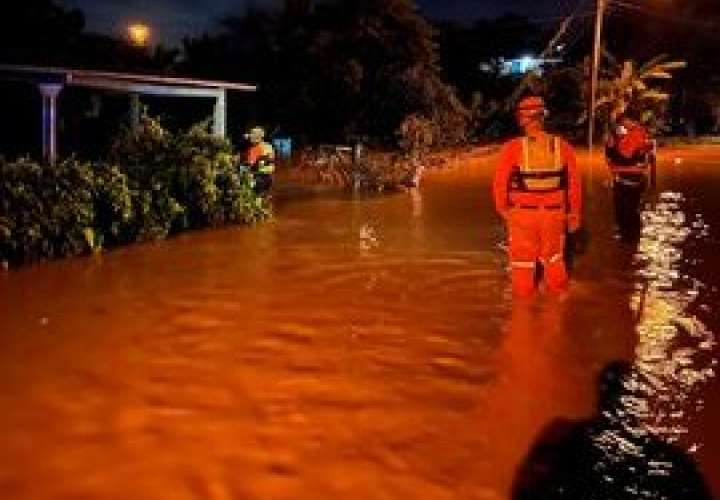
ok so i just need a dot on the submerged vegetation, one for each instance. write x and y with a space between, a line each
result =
154 184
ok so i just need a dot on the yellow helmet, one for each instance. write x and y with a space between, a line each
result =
256 134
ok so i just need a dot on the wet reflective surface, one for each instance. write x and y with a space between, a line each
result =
354 348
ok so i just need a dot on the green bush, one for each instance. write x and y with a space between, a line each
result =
216 192
154 185
113 202
151 162
45 211
238 203
184 181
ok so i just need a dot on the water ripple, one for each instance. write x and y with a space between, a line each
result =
674 347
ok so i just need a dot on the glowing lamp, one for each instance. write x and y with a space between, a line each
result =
139 34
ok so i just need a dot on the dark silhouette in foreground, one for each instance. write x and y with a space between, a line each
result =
601 459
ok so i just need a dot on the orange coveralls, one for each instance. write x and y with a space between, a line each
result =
536 187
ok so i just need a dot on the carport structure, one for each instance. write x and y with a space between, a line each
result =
51 81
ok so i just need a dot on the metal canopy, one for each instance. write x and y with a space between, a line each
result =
51 81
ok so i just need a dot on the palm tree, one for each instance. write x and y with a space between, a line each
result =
629 86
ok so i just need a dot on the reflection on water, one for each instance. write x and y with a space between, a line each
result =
637 445
369 238
567 463
673 355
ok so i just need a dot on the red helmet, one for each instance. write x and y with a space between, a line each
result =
531 106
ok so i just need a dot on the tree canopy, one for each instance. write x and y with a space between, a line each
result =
331 70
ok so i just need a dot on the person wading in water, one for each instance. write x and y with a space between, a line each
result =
537 191
630 157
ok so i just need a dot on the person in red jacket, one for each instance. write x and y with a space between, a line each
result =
631 160
537 190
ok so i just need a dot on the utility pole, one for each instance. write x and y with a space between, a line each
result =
597 49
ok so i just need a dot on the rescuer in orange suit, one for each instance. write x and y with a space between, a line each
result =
261 160
631 158
537 190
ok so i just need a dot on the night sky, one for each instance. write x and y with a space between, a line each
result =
172 19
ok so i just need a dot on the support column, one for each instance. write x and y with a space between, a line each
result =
50 93
135 111
220 114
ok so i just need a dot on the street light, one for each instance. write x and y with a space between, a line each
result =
139 34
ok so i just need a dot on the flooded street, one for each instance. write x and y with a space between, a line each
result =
359 348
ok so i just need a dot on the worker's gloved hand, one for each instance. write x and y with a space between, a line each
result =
573 222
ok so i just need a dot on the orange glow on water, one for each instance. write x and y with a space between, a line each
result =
349 348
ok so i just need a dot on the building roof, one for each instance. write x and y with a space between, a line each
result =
130 82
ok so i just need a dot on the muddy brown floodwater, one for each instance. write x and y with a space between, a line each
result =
359 348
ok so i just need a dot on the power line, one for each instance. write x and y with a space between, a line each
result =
566 6
549 49
581 32
521 20
685 20
584 25
549 20
579 6
579 18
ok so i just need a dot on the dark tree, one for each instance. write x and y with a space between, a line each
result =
42 32
39 32
334 70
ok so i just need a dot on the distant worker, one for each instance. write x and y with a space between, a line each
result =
261 160
537 190
630 156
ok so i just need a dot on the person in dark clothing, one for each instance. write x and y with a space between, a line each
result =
605 458
630 157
